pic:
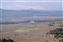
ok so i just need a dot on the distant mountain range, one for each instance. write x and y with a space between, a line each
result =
31 12
15 16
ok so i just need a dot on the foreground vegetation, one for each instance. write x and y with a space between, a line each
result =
58 33
5 40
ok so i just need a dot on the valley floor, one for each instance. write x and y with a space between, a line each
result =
28 32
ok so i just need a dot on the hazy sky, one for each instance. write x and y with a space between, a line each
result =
31 0
33 4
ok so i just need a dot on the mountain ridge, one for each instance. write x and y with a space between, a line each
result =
30 12
11 16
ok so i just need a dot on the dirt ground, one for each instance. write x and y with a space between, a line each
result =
28 32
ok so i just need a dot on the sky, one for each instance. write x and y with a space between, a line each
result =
31 4
31 0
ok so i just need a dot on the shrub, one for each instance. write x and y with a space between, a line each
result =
58 33
5 40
